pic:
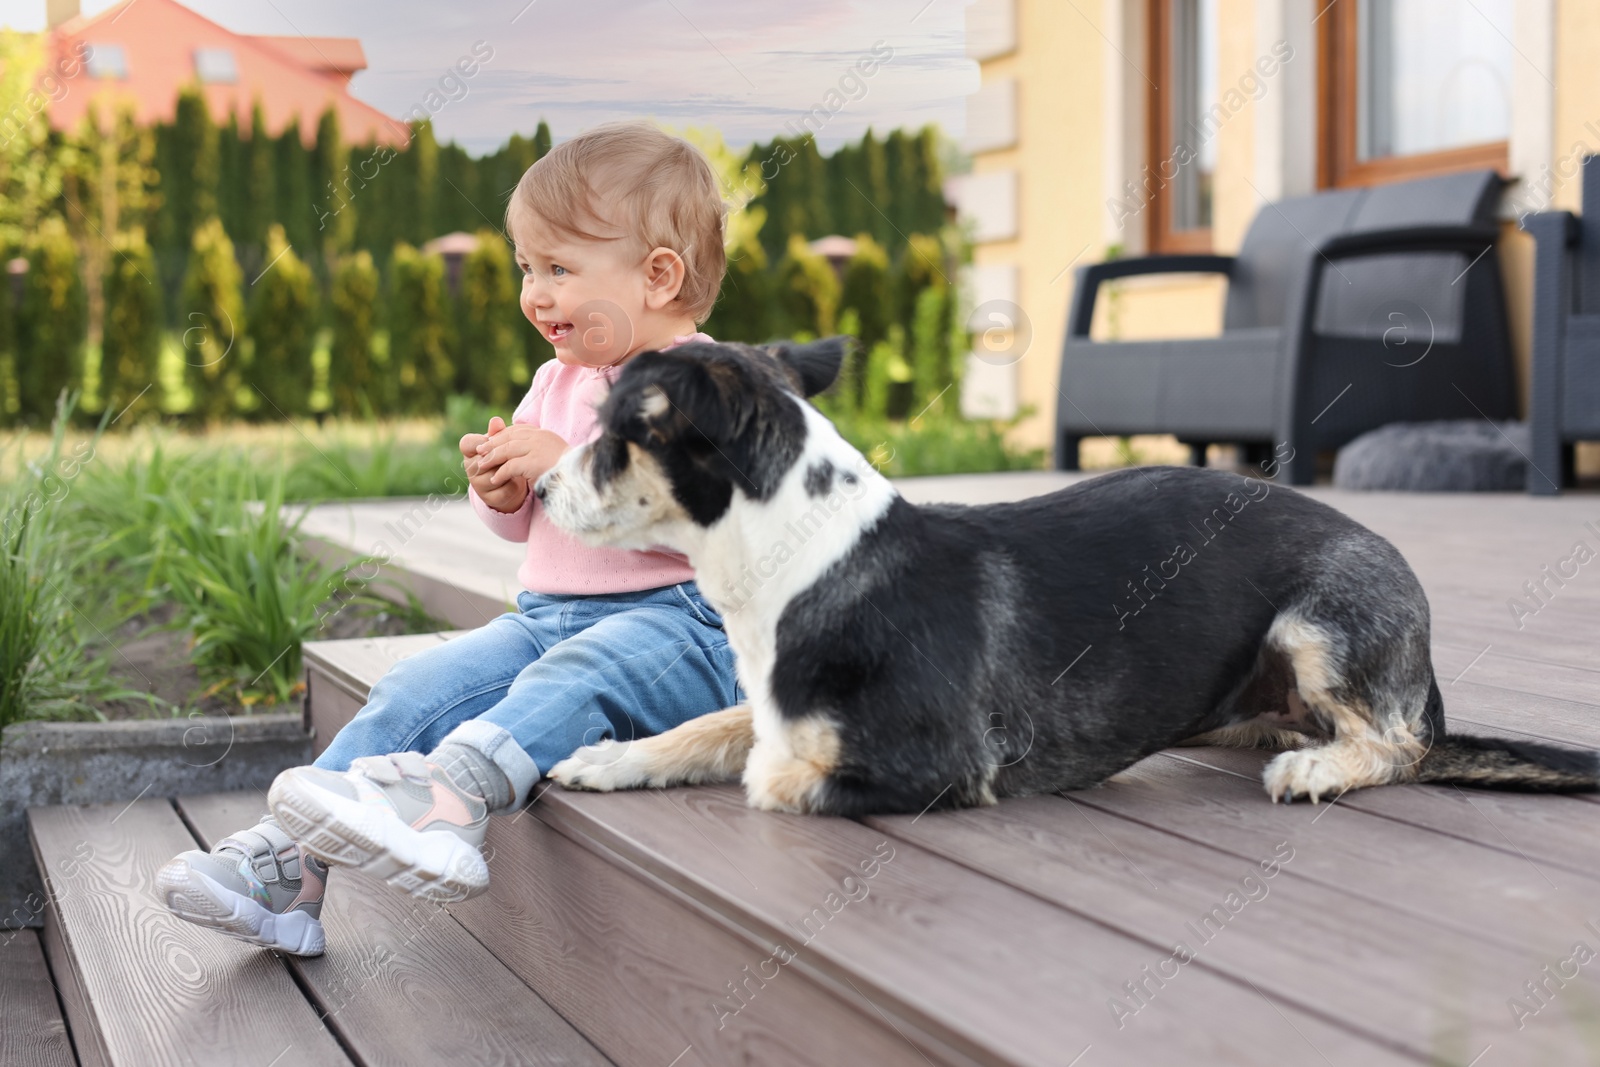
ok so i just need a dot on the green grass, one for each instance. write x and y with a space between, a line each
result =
46 670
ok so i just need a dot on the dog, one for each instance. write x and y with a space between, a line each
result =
902 658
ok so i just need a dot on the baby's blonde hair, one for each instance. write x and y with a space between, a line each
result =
652 187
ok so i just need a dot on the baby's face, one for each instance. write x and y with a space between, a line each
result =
586 297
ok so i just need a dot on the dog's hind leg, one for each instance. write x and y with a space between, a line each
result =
1369 692
711 748
1254 734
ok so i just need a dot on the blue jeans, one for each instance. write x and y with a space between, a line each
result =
535 684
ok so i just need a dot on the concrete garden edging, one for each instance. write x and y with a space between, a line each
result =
45 763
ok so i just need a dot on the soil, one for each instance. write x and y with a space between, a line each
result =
157 661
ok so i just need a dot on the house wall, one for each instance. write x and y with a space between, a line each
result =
1080 127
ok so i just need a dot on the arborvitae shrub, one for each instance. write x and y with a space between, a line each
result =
52 324
419 317
211 316
352 381
487 302
283 327
807 290
130 352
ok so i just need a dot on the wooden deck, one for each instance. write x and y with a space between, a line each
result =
1172 915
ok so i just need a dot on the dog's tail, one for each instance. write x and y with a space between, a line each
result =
1494 763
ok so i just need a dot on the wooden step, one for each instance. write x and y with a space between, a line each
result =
401 982
32 1033
140 985
682 927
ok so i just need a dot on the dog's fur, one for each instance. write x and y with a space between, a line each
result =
898 658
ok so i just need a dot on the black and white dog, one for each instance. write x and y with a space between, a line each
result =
899 657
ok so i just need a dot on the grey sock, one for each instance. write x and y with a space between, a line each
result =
471 770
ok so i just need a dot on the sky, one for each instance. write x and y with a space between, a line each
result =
746 67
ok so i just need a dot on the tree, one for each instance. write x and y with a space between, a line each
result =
487 302
541 141
54 318
295 213
419 354
921 265
261 186
191 183
355 387
418 172
331 188
30 172
283 327
807 290
212 320
866 289
130 354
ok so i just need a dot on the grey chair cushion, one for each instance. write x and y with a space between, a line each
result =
1471 455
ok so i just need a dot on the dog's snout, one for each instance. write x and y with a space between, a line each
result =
541 488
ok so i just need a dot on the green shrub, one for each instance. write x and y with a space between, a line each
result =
742 309
934 443
9 401
355 388
921 266
212 321
488 300
283 326
419 317
866 289
931 358
807 290
52 324
130 353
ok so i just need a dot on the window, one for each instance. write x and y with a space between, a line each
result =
107 61
1183 123
1414 87
215 66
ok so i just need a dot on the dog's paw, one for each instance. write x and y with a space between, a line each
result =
602 768
1311 773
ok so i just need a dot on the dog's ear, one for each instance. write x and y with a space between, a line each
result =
813 366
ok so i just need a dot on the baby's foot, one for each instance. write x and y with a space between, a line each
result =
256 885
397 817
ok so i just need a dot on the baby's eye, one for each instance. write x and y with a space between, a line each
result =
556 270
525 269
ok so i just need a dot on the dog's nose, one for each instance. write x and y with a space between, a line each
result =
541 487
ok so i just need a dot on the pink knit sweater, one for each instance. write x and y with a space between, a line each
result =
562 399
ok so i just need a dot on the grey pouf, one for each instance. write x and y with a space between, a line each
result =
1471 455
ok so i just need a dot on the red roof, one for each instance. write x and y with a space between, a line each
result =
158 41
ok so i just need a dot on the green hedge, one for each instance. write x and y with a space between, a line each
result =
419 328
355 384
130 353
51 327
283 327
486 304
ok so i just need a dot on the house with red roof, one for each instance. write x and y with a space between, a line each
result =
142 53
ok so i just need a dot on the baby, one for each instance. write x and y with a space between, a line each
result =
618 234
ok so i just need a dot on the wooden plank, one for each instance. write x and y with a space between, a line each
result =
156 989
655 979
33 1034
401 981
1484 894
936 947
1372 969
1554 833
87 1040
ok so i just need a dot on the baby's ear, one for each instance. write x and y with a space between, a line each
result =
814 365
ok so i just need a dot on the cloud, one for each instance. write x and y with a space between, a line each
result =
744 67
